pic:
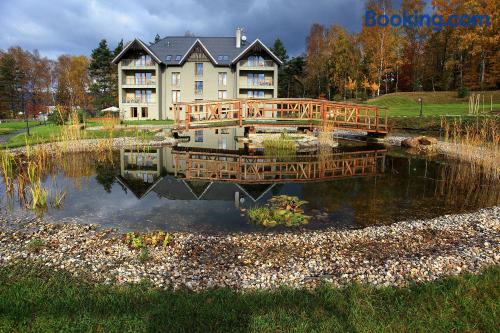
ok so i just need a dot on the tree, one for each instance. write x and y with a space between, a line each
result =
102 72
316 59
157 39
73 83
279 50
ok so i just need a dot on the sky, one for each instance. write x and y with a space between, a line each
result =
56 27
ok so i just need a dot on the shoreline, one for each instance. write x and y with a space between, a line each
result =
392 255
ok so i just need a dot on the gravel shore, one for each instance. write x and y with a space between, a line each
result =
383 255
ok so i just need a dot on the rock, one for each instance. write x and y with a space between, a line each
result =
420 143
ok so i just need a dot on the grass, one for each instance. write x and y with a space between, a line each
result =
37 299
434 103
149 122
12 126
51 132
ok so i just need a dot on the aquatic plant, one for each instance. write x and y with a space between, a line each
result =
476 141
58 198
137 240
280 210
282 144
35 245
38 192
7 167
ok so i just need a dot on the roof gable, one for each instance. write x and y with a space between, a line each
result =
257 43
136 43
197 42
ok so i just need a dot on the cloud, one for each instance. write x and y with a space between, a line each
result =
76 26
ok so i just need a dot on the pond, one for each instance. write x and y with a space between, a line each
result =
210 181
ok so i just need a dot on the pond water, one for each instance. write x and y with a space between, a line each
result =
208 183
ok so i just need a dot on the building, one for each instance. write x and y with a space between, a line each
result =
185 69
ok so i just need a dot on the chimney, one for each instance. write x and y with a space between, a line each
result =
238 37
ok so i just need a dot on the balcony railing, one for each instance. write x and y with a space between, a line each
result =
259 83
137 63
198 92
134 100
264 63
140 82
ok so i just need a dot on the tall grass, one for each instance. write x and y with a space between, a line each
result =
281 146
477 142
7 167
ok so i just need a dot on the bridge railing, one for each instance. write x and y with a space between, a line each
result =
311 112
269 169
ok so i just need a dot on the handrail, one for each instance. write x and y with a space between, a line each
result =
311 112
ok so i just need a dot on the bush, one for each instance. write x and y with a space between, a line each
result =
463 92
55 118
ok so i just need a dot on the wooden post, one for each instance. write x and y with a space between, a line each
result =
188 116
240 117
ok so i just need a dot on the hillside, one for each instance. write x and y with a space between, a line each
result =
434 103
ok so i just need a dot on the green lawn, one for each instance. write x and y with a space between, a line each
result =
50 132
148 122
36 299
8 127
434 103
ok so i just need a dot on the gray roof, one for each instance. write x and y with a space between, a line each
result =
222 49
173 50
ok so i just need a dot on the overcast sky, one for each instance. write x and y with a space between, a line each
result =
55 27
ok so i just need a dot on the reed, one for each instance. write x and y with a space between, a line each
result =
38 193
7 167
477 142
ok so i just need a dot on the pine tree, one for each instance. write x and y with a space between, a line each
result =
102 73
157 39
279 50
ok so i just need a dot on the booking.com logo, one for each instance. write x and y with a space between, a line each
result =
419 20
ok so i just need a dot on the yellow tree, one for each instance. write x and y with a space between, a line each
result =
379 42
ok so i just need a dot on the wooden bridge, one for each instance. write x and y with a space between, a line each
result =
312 113
209 166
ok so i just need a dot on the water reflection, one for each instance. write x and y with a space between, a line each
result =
204 184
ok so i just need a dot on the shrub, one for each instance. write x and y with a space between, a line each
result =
462 92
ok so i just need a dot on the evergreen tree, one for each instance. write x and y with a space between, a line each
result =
103 75
157 39
279 50
118 48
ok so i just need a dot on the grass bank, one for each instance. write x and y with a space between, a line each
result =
405 104
11 126
38 299
51 133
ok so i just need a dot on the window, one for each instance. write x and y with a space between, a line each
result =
198 136
224 131
176 79
143 96
169 57
222 57
256 93
144 112
176 96
177 57
143 78
144 60
219 58
222 79
255 61
255 79
222 94
226 58
198 70
198 87
222 142
133 112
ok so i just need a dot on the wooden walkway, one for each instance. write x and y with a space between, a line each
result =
280 112
267 169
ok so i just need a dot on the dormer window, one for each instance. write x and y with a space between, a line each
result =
177 58
226 58
169 57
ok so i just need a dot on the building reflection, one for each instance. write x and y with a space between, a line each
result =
213 165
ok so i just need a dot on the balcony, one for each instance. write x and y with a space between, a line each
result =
134 100
257 65
138 63
139 82
261 84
